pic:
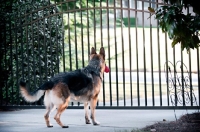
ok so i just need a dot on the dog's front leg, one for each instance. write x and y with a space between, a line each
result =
87 120
93 104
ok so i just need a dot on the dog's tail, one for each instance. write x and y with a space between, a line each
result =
37 94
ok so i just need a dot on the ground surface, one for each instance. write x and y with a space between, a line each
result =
32 120
186 123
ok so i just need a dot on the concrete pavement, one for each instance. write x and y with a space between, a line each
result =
31 120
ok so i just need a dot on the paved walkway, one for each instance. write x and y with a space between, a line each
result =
31 120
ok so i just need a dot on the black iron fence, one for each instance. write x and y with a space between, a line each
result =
42 38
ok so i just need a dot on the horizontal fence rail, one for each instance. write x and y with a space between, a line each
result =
41 39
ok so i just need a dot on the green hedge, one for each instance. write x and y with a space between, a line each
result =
132 21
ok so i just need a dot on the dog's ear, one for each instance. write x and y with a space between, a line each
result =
93 51
102 52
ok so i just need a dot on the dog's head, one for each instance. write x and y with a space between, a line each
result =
98 60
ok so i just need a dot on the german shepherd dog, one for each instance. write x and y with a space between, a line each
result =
81 85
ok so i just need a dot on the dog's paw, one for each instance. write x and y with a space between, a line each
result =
87 121
65 126
96 123
50 126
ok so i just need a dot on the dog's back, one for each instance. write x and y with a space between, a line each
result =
75 80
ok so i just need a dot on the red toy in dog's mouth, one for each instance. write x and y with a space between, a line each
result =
107 69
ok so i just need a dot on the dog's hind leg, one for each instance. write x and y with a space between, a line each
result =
61 109
49 107
93 104
87 120
46 116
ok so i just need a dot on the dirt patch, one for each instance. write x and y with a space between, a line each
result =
186 123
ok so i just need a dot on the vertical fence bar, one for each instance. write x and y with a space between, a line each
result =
130 53
116 56
94 21
70 47
175 78
151 52
175 73
39 51
108 30
33 54
50 28
88 29
6 65
82 43
69 38
190 71
101 25
75 41
6 61
17 64
144 55
28 44
22 45
63 43
57 52
166 55
11 55
182 78
123 71
137 60
44 46
190 78
159 69
76 44
2 37
102 44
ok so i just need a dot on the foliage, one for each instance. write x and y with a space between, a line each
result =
186 4
80 26
132 21
181 28
31 47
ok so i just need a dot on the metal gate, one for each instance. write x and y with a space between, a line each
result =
42 38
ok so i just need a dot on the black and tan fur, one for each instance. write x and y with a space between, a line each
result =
82 85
